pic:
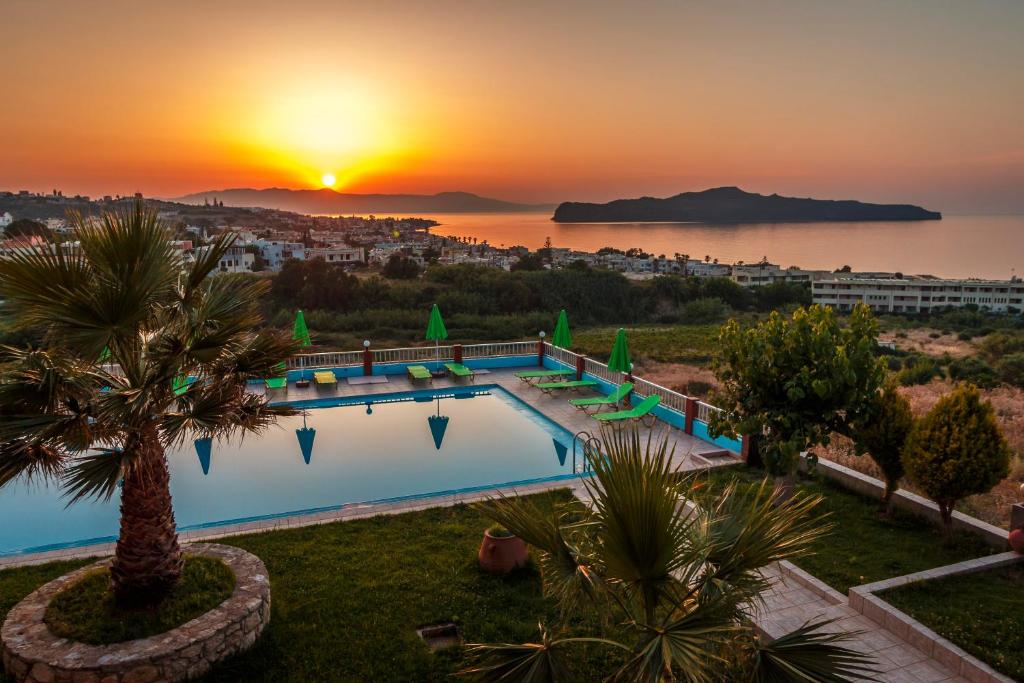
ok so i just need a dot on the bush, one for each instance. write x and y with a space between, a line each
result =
1000 344
957 450
965 336
1011 369
400 267
883 433
698 388
704 311
918 370
973 369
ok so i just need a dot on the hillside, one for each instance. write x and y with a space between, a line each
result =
733 205
327 201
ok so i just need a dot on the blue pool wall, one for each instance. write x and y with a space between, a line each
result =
672 417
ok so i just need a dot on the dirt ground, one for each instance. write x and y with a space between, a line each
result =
920 340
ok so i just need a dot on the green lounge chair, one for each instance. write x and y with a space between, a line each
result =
640 412
418 372
598 402
325 378
460 370
573 385
531 376
277 384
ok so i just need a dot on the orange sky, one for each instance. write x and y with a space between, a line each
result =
914 100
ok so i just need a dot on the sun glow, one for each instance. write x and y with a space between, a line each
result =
328 179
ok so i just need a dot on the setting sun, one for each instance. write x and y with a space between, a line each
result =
328 180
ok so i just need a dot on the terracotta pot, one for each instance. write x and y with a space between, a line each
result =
502 554
1016 540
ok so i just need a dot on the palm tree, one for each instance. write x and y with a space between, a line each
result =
177 349
680 580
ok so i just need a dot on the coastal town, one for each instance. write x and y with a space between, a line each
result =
266 239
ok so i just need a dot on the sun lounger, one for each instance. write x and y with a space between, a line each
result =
460 370
571 385
418 373
641 412
325 378
598 402
277 384
531 376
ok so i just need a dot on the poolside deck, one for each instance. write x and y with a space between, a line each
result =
691 452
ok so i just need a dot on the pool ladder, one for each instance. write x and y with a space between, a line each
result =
588 443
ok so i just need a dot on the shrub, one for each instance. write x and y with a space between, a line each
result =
696 387
973 369
1000 344
934 335
957 450
704 311
965 336
1011 369
883 433
918 370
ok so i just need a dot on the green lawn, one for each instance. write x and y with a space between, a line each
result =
348 597
863 546
983 613
693 344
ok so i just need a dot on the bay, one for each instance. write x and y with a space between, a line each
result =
956 246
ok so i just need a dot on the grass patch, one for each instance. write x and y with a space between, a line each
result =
348 598
983 613
694 344
864 546
87 611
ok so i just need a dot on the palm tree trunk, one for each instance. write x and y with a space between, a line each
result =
148 560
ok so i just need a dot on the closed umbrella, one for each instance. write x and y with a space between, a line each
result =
300 332
436 332
204 447
305 435
619 360
561 338
438 424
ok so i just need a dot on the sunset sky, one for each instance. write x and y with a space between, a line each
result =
889 100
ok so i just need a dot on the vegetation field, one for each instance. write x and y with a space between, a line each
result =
864 546
983 613
693 344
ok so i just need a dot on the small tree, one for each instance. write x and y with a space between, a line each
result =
796 380
957 450
883 434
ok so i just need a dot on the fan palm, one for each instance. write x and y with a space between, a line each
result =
680 580
181 346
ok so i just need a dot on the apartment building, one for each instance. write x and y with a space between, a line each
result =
336 254
916 294
758 274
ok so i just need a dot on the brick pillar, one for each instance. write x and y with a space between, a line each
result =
691 414
457 353
367 361
581 365
540 353
752 450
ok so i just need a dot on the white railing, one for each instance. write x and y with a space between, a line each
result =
412 354
330 359
502 349
669 399
418 354
559 354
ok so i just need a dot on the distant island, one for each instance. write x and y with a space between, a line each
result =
327 201
733 205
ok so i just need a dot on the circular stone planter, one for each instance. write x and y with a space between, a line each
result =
32 653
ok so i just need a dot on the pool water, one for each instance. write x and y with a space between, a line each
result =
362 449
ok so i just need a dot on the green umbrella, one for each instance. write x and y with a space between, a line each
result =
104 355
619 361
300 332
561 338
436 331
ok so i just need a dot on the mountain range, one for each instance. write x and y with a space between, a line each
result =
733 205
328 201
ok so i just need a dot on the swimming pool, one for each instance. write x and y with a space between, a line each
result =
357 449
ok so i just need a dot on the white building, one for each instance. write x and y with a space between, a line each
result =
707 269
276 252
6 219
918 294
336 254
758 274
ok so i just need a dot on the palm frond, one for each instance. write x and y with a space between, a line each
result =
218 410
809 655
30 461
95 475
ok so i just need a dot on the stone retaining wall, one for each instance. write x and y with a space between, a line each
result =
32 653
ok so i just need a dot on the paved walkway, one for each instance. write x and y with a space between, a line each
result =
791 603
